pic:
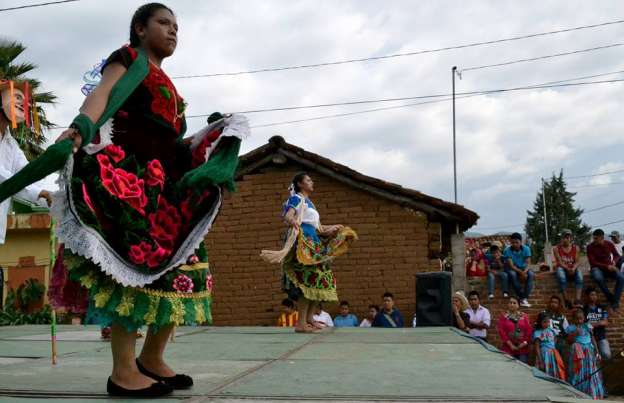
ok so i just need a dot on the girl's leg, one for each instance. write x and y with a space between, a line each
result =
303 306
125 372
152 355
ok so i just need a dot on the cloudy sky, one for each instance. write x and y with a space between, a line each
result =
506 142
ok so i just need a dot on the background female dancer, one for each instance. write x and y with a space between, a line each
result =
309 249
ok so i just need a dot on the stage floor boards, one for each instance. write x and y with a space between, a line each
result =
232 364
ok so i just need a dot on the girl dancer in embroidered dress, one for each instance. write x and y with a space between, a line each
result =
583 371
547 358
137 200
309 249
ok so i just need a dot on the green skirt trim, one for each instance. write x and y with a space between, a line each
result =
312 294
316 281
153 306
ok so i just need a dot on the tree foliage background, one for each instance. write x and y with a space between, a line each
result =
11 69
561 214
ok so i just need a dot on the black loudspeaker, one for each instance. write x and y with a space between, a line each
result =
433 299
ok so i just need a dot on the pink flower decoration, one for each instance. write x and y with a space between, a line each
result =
138 253
87 198
183 283
209 282
155 174
115 152
122 184
165 224
155 258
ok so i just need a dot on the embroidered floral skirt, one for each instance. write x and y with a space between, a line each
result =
180 297
307 269
583 370
134 240
552 363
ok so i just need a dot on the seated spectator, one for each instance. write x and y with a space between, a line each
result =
460 317
516 258
373 310
496 268
289 315
476 264
566 256
602 258
479 320
389 315
321 319
558 322
515 331
619 247
598 317
345 319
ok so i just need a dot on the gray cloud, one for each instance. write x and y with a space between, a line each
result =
506 142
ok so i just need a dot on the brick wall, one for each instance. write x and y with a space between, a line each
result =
393 247
545 287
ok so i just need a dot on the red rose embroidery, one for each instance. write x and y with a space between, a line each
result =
325 283
186 210
165 224
138 253
122 184
165 99
87 198
183 283
155 174
156 257
116 153
312 278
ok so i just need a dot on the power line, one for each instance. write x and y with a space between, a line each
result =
37 5
610 223
604 207
593 175
596 185
395 55
501 227
487 66
360 102
286 122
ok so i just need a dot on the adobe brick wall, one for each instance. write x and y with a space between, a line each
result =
545 287
393 247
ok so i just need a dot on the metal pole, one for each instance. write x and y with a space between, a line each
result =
453 70
545 215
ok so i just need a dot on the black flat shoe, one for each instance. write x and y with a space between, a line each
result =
154 390
177 382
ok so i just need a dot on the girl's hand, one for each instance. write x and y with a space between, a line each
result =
73 135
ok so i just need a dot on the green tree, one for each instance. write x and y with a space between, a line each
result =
10 69
561 214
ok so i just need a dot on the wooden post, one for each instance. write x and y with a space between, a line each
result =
459 265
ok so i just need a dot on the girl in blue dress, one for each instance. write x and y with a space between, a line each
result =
583 371
547 358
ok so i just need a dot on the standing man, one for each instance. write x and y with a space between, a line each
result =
517 258
619 246
389 315
12 159
479 317
567 267
603 257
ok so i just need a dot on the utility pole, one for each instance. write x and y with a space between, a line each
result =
453 72
545 215
547 247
